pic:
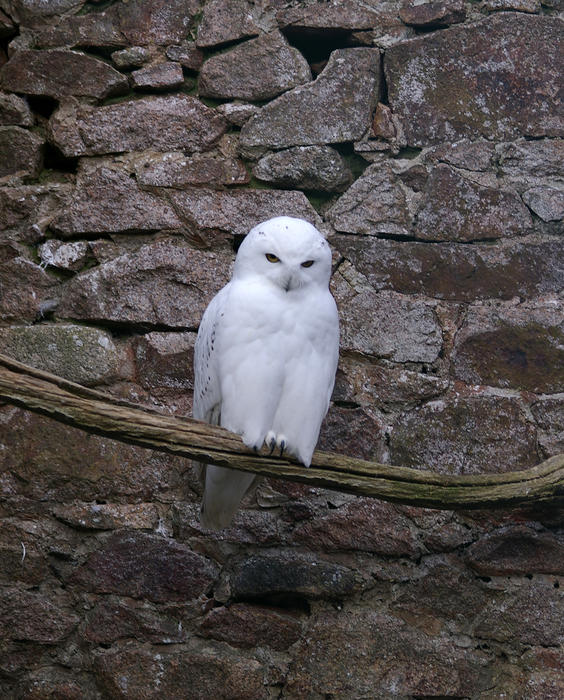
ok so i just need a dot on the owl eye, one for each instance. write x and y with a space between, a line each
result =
272 258
308 263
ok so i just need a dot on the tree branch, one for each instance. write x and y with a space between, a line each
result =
100 413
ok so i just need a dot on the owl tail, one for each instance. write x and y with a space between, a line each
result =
224 489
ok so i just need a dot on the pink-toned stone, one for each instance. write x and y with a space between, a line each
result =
160 76
458 83
178 122
59 73
146 566
437 13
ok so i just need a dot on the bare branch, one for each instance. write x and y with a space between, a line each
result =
100 413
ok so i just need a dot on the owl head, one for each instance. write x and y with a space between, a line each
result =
289 252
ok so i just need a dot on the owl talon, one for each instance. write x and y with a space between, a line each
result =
282 447
272 445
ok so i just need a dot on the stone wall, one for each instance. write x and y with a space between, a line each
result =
139 141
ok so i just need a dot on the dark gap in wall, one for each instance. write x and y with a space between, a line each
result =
43 106
383 83
317 45
53 159
286 601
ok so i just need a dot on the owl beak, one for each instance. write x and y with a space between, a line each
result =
288 286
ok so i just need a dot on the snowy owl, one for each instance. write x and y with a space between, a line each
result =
266 353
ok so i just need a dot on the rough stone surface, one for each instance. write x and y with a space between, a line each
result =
237 212
146 566
80 354
59 73
26 211
546 202
64 256
187 54
165 360
536 158
257 70
465 435
161 123
137 671
517 549
160 284
374 203
25 290
455 271
160 76
386 324
34 617
441 99
519 347
14 111
243 625
456 209
178 170
432 14
311 114
228 20
106 198
132 57
21 152
319 168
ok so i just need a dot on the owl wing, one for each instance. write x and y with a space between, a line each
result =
223 488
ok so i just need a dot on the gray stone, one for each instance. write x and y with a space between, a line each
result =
532 6
165 360
187 54
64 256
447 85
535 158
26 211
161 22
549 415
320 168
21 152
465 434
179 170
159 76
469 155
108 516
456 271
454 208
236 212
14 111
307 17
518 347
77 353
163 283
229 20
258 69
107 199
354 431
437 13
59 73
385 324
132 57
547 202
374 203
312 114
95 29
178 122
25 290
33 12
237 113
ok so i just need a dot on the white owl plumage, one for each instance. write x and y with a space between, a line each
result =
266 353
